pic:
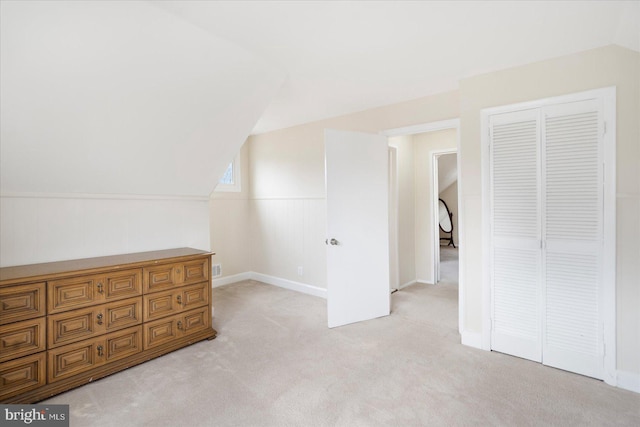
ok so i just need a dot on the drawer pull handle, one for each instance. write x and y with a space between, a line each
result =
179 298
99 319
179 324
100 351
100 290
178 271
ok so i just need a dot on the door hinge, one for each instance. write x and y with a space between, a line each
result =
605 128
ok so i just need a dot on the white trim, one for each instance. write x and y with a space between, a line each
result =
461 256
434 155
241 277
609 236
425 282
422 128
562 99
472 339
394 207
271 280
608 97
629 381
409 283
485 159
290 284
28 195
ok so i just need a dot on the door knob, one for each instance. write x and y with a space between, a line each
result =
333 242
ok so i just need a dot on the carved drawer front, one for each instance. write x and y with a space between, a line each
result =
161 277
22 302
75 358
160 332
74 292
161 304
195 271
77 325
123 284
21 375
121 314
195 296
195 320
170 328
22 338
123 343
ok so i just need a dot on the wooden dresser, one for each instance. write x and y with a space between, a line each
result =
65 324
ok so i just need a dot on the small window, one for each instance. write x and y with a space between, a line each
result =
230 180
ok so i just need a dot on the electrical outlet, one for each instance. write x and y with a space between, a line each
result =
300 271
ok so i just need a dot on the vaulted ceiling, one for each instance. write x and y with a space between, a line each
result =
156 97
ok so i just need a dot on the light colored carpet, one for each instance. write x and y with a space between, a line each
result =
275 363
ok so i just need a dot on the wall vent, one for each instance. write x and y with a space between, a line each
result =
216 270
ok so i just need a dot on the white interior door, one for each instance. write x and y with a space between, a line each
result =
357 176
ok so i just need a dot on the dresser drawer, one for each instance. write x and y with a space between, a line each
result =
22 302
77 325
165 330
22 338
195 271
21 375
83 291
123 344
74 359
166 276
161 304
122 314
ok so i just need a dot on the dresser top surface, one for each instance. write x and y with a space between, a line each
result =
31 272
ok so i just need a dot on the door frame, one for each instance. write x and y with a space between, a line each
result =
608 296
435 207
433 127
394 221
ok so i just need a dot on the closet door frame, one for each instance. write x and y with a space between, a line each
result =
607 98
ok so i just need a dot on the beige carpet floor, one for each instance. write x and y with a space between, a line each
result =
275 363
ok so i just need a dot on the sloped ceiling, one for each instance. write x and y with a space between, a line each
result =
121 97
347 56
156 97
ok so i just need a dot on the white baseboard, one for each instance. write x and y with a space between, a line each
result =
424 282
412 282
271 280
472 339
231 279
290 284
629 381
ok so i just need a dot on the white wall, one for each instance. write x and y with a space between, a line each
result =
406 208
46 228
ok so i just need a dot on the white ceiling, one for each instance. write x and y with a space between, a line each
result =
156 97
342 57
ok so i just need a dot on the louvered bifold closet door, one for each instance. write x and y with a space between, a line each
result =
572 232
515 234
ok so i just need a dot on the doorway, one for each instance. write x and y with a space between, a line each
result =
445 214
417 228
